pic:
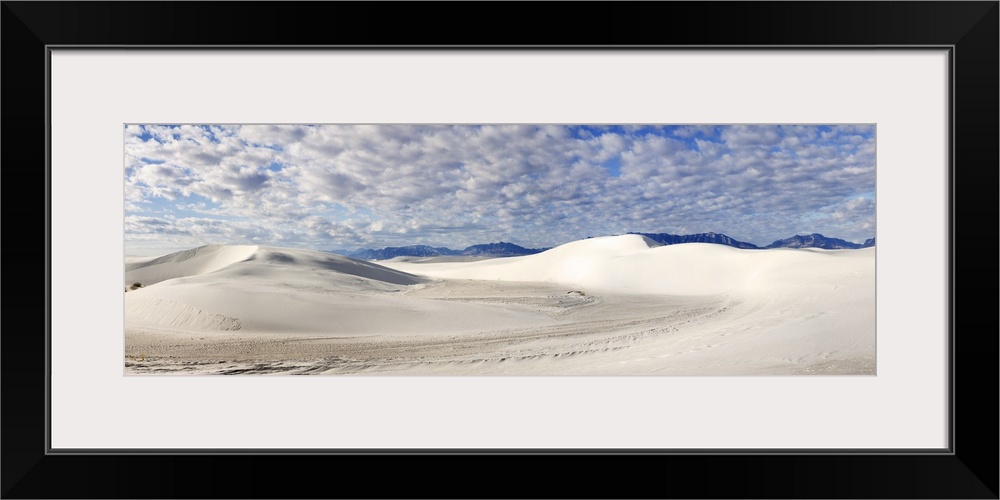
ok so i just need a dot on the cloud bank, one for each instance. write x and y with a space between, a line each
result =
351 186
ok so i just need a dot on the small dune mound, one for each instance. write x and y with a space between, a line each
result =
178 315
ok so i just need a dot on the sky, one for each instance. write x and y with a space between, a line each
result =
327 187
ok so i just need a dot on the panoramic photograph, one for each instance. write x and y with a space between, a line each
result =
499 250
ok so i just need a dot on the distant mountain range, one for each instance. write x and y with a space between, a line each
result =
504 249
817 240
814 240
501 249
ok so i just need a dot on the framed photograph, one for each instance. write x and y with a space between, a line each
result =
225 272
730 252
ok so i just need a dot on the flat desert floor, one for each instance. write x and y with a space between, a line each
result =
618 305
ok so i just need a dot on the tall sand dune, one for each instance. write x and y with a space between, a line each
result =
268 289
201 260
212 258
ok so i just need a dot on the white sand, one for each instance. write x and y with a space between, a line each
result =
613 305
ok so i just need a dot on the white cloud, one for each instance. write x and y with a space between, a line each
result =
757 136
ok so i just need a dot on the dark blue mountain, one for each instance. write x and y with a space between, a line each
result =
814 240
501 249
407 251
673 239
870 242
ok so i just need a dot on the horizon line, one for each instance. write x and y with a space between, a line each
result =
540 248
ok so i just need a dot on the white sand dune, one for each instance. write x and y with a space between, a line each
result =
611 305
636 264
210 258
265 289
201 260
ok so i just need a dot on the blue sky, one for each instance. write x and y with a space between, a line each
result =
352 186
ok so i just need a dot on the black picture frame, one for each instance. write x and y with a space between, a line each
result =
968 470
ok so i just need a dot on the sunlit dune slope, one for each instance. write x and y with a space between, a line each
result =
636 264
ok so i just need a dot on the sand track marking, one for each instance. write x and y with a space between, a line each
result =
585 333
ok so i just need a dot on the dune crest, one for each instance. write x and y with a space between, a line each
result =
201 260
215 258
